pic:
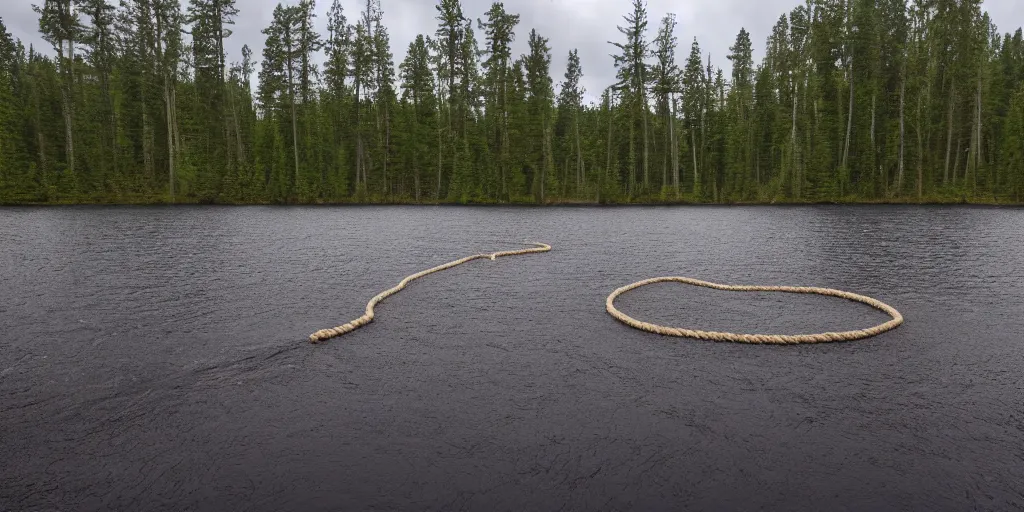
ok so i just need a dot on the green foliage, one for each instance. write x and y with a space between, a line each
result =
854 100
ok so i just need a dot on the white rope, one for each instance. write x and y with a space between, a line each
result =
776 339
326 334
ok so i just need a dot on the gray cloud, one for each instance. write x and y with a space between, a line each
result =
587 25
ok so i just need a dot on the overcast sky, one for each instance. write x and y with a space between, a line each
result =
584 24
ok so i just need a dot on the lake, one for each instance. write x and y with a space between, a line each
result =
155 358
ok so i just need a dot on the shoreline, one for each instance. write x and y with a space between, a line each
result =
524 204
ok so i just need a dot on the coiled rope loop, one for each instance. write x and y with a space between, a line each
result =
326 334
775 339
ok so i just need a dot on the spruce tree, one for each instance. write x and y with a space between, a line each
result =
632 84
418 93
667 81
541 92
499 33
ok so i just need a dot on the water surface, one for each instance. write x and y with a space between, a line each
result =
154 359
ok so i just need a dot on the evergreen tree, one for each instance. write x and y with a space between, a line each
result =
667 78
901 100
499 31
385 98
570 104
418 94
540 94
694 109
210 21
60 26
633 81
450 37
740 144
13 157
337 101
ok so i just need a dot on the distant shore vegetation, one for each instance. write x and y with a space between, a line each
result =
876 101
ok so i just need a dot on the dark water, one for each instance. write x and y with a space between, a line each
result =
154 359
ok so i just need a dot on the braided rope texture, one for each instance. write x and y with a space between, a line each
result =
326 334
769 339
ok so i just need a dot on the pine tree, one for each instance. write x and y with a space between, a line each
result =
1013 148
385 98
209 21
12 155
541 92
336 98
306 44
499 33
60 26
667 78
281 67
739 159
168 20
450 37
99 43
362 72
570 103
694 109
418 90
139 108
633 81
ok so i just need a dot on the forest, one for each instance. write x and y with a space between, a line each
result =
853 101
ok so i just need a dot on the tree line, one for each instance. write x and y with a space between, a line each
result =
854 100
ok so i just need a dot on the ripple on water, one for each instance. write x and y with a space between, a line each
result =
153 358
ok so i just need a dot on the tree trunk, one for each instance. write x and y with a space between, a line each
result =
874 155
920 151
147 141
38 128
666 154
968 160
849 122
168 106
177 126
793 141
608 161
752 152
503 141
67 98
757 170
295 119
903 132
956 160
544 162
505 159
440 160
632 153
565 177
387 148
647 183
949 136
69 142
580 171
696 171
170 136
673 144
237 128
415 145
978 138
809 133
359 140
